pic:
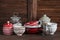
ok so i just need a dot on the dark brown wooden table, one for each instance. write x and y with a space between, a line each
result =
31 37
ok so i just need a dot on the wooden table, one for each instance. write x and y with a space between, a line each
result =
31 37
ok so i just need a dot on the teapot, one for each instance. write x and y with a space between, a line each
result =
44 19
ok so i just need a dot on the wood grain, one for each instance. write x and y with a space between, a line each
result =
51 8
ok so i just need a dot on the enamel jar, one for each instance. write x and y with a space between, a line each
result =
7 28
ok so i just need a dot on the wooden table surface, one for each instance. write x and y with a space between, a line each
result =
31 37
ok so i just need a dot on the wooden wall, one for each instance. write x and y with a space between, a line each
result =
8 7
51 8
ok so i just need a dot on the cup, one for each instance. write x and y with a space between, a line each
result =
51 28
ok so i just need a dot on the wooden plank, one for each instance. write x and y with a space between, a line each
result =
29 8
34 9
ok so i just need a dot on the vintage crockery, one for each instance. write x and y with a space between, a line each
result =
48 27
32 27
18 29
51 28
7 28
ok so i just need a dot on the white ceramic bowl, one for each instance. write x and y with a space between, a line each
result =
19 30
51 28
